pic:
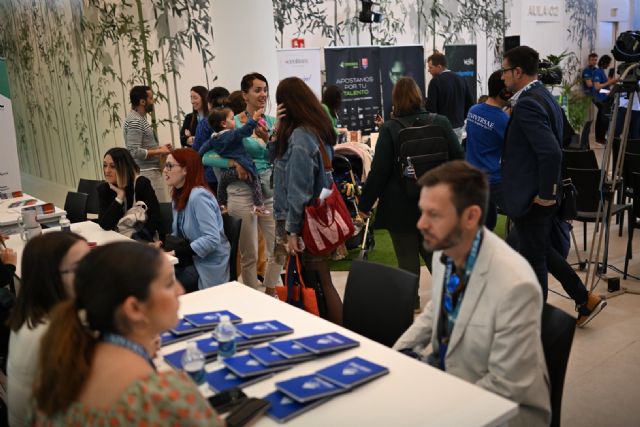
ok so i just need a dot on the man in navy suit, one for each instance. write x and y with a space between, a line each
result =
531 176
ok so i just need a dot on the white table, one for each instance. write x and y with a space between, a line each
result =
87 229
412 394
9 216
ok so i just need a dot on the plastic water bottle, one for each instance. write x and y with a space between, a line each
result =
65 224
193 362
225 333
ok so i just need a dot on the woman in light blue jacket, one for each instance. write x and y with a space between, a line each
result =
204 249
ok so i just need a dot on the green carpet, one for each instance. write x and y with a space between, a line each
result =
383 252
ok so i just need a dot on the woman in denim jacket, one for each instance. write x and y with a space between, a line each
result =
299 177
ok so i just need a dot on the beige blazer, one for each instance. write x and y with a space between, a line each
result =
495 342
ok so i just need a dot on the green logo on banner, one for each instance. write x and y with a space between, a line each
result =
4 79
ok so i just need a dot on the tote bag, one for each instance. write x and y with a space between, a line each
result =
295 291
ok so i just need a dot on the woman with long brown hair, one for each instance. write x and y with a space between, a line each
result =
398 211
199 113
204 251
305 137
95 365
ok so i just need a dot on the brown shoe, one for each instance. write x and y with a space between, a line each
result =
590 309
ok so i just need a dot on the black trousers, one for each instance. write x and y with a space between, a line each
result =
602 119
495 200
409 248
534 244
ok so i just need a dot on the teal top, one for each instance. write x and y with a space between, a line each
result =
334 119
256 148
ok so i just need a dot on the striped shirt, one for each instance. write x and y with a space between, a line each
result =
138 138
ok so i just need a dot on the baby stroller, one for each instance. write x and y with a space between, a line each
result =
348 176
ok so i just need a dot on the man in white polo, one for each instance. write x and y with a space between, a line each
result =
483 322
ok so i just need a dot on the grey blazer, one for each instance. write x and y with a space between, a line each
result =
495 343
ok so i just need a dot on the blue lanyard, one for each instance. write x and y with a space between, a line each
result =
450 310
121 341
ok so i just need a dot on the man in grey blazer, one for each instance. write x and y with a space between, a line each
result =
483 321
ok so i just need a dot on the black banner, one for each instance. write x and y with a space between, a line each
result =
396 62
355 70
463 60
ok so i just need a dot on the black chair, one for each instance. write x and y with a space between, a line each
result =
76 206
557 337
631 165
634 219
166 213
584 135
89 186
379 301
587 183
579 159
232 226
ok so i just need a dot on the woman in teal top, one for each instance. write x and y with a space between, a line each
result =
255 91
331 102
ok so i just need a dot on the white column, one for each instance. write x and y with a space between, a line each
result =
244 42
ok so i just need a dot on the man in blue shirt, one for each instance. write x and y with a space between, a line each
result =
486 124
600 80
587 74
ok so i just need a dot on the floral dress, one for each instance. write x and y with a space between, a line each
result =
161 399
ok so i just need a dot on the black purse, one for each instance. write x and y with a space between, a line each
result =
179 244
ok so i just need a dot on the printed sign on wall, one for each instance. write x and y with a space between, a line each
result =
9 166
463 60
396 62
356 71
303 63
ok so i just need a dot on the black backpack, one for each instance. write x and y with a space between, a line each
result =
419 147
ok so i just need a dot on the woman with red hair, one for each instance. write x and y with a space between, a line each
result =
203 248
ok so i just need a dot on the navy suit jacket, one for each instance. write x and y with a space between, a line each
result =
532 154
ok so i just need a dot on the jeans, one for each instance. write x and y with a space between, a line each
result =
158 183
240 206
534 244
408 248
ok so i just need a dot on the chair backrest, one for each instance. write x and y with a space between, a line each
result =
633 146
379 301
557 336
631 165
635 184
89 186
76 206
587 183
584 135
166 213
579 159
232 226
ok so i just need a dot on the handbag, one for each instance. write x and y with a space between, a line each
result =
133 220
179 244
327 223
296 292
568 204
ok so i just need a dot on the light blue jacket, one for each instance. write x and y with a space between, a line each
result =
202 225
298 178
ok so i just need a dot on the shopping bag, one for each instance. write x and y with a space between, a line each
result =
295 291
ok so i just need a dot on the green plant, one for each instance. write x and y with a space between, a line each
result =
307 16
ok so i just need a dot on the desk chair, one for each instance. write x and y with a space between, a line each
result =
579 159
634 218
379 301
89 186
232 226
557 337
76 206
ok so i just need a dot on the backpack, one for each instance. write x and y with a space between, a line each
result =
419 147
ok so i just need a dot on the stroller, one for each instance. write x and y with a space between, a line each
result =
348 174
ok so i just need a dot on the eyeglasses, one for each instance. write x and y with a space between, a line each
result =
504 70
169 166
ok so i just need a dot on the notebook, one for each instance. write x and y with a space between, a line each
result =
308 387
269 328
210 319
326 343
223 379
269 357
290 349
352 372
247 366
169 337
283 408
184 327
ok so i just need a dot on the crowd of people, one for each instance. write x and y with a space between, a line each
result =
84 326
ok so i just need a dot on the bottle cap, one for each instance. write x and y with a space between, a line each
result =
224 318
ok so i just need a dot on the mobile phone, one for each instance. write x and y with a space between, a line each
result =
249 411
227 400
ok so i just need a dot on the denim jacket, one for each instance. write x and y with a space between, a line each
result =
298 178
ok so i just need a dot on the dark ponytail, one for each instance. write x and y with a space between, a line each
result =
66 351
